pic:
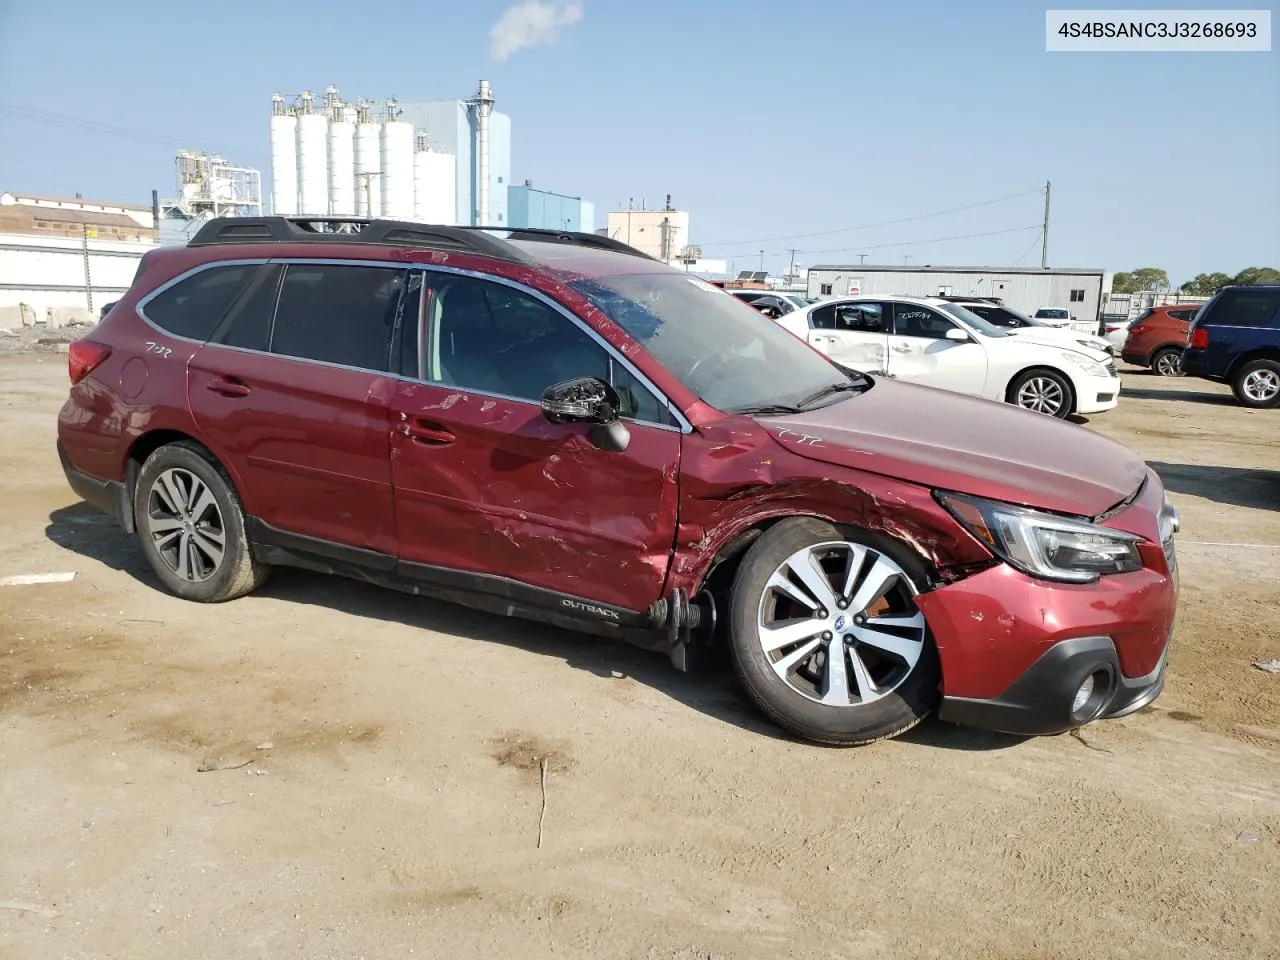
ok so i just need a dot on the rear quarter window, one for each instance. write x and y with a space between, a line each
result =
1245 308
193 306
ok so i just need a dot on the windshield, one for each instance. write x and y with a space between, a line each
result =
799 301
1053 314
730 355
972 320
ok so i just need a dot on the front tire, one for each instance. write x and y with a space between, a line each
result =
191 525
1167 362
1257 384
825 634
1042 391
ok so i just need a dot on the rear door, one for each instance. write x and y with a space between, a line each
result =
853 334
293 394
485 484
919 351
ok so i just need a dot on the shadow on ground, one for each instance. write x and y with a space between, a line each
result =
1191 396
713 690
1235 486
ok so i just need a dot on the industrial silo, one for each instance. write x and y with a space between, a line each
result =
313 161
284 159
397 165
368 163
342 156
434 187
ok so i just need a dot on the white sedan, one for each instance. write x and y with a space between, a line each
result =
941 344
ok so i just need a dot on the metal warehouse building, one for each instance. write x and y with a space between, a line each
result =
1027 289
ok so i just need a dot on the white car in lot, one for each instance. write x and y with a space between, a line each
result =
940 344
1029 328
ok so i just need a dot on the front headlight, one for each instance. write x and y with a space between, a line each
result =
1090 367
1044 544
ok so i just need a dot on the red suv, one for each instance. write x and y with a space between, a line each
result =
1157 338
555 426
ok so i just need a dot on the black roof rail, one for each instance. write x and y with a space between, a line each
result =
333 229
544 235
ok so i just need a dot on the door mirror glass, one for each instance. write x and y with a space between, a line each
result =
581 400
958 335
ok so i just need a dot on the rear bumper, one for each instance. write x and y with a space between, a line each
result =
1137 359
107 495
1196 363
1039 702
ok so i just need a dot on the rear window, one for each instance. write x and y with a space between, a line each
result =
193 307
1246 308
1053 314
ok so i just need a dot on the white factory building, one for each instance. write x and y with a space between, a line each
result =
63 258
446 162
663 234
1079 290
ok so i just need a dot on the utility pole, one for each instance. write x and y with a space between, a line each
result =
791 267
1044 241
862 258
762 261
906 258
88 283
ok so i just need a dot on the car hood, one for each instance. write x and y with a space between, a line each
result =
954 442
1060 337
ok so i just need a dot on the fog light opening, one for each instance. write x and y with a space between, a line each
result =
1091 696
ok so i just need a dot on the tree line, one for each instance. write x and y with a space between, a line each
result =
1201 285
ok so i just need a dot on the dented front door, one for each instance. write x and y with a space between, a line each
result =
486 484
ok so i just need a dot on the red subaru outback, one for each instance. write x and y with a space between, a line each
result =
555 426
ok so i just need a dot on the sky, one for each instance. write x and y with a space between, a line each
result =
776 125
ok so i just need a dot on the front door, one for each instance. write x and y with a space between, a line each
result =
853 334
484 483
919 351
294 398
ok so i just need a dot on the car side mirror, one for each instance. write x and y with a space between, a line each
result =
588 400
957 335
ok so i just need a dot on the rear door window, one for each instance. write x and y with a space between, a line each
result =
1247 308
335 313
823 318
193 306
911 320
862 318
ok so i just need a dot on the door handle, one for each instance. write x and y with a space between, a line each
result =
229 386
901 348
428 433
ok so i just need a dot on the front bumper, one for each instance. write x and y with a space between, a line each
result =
1096 394
1040 701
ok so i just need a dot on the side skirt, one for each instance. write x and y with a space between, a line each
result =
480 591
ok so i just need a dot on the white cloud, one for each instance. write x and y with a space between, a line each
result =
533 23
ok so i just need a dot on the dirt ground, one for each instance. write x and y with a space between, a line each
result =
377 786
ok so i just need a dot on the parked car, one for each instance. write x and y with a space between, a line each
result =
940 344
1020 325
1235 339
1157 338
772 306
557 426
1054 316
782 302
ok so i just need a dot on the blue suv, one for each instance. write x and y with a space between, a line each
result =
1235 339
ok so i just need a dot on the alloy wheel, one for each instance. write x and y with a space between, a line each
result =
1041 394
1169 365
186 525
838 624
1261 386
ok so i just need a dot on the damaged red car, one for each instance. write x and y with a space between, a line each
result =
556 426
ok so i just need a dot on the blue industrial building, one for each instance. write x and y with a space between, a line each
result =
530 207
451 126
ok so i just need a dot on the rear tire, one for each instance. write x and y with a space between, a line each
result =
887 678
1043 391
1257 384
1167 362
191 525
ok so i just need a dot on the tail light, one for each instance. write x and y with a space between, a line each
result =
1139 329
82 357
1200 338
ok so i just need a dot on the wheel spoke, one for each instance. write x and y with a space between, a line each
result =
205 545
914 621
874 585
783 585
867 691
805 567
165 524
165 541
186 568
203 501
907 650
169 493
856 557
835 689
790 631
783 666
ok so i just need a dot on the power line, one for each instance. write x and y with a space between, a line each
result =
901 243
1034 241
104 129
883 223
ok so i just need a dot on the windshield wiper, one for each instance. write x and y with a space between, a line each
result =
833 388
765 410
